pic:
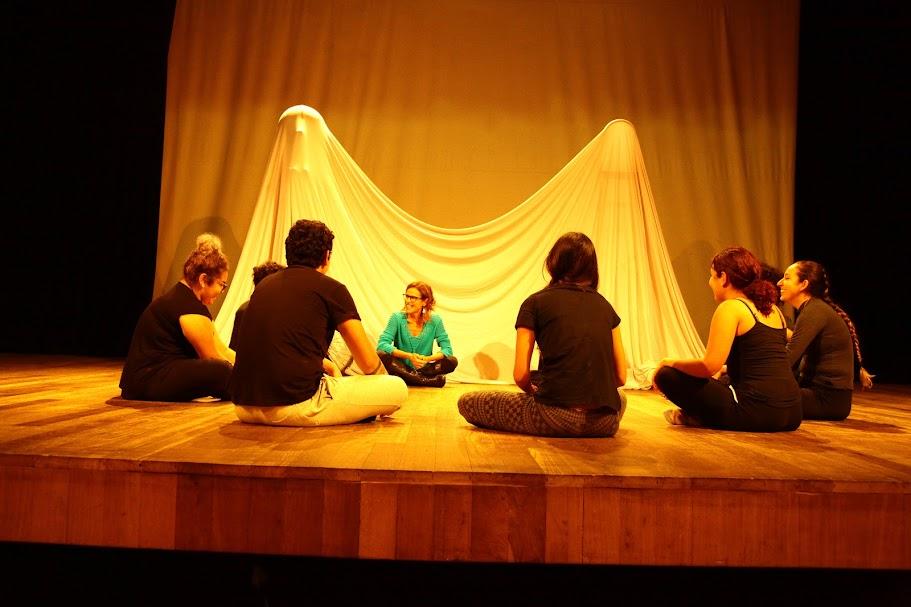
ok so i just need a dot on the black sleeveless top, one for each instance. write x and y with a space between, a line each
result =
758 366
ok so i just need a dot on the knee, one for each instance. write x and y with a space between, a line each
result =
663 377
219 368
466 404
396 388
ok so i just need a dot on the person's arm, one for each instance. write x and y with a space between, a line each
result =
224 351
331 369
442 338
352 331
721 336
521 371
808 326
386 344
235 330
620 364
200 332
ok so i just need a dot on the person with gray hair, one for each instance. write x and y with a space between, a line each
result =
175 353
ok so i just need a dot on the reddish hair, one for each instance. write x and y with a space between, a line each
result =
744 272
427 295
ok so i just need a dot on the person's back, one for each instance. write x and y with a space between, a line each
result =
582 363
282 376
287 330
174 353
757 365
828 360
574 327
158 339
260 272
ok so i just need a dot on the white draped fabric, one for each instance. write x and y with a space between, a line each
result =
480 275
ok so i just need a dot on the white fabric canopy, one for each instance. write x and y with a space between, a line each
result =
480 275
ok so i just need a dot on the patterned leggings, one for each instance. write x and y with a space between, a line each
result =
521 413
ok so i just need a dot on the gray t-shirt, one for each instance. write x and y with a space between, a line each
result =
821 351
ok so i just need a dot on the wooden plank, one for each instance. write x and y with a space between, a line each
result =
452 510
426 485
854 530
414 524
102 509
508 523
341 519
564 524
379 515
157 510
637 526
34 504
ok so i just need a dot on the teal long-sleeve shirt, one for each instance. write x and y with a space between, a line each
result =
397 335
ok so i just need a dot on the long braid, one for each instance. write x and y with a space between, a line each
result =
844 316
818 286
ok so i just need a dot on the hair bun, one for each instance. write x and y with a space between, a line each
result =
208 241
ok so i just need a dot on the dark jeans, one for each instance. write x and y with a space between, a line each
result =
825 403
431 374
713 403
184 380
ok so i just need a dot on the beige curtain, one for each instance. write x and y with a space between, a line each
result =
459 111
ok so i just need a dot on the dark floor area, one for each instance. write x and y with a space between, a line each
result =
47 574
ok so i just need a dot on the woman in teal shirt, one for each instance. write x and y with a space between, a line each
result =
406 345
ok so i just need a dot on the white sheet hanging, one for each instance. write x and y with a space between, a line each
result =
480 275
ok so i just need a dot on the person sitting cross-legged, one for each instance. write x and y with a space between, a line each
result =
406 345
282 376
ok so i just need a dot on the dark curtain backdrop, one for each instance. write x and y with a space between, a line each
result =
852 195
83 129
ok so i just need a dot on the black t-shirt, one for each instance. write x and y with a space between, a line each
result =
572 326
823 342
238 319
158 338
286 333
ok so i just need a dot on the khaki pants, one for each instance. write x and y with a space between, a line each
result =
339 400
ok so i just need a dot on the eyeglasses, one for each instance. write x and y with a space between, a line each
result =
412 297
224 285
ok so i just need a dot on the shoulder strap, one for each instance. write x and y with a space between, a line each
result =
784 324
748 308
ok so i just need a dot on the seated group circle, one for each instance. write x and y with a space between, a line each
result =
281 368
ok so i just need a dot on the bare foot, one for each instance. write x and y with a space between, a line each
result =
676 417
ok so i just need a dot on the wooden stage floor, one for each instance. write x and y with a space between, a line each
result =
425 485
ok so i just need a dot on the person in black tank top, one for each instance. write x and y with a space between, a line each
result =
748 333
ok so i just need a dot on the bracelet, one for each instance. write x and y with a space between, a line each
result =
378 366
